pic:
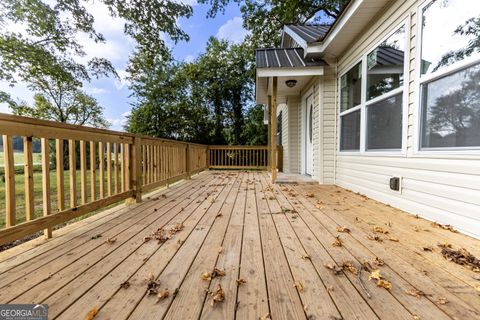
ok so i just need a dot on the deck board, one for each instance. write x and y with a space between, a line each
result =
278 238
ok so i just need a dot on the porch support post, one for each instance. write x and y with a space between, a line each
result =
273 132
269 135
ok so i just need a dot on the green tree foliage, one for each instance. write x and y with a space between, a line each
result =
254 131
202 101
265 19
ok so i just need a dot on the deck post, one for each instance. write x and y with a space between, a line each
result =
136 178
273 130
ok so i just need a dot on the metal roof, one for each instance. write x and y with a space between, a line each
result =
388 56
310 33
284 58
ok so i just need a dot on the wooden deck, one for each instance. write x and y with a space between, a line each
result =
277 238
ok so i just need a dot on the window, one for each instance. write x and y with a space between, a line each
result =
373 89
280 128
450 75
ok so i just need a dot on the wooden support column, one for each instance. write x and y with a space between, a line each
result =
136 174
273 128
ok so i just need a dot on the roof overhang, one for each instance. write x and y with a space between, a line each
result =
289 72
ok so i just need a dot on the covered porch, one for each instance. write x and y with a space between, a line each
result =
232 245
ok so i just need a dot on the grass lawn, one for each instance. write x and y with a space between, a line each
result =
18 158
37 179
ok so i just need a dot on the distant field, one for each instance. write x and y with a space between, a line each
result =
18 158
37 179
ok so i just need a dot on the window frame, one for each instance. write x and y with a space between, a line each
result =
420 79
405 21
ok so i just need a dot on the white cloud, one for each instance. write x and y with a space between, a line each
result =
232 30
118 123
189 58
96 91
123 82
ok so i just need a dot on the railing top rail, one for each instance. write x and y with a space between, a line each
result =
239 147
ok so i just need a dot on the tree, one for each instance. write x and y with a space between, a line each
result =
265 19
254 131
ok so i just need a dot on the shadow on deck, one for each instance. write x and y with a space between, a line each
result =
285 250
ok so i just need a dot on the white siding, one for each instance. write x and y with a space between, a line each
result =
440 188
294 125
283 108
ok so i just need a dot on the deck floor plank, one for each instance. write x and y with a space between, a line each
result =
276 237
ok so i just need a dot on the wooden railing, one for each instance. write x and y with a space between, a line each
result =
241 157
82 170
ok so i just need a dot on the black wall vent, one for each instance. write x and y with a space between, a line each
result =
395 183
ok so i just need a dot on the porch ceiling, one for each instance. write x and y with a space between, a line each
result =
264 88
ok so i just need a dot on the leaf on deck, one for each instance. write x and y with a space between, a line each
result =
374 238
125 285
337 242
336 270
378 229
207 276
266 317
444 227
462 257
241 281
415 293
428 248
348 266
306 257
92 313
384 284
376 274
442 301
300 287
394 239
111 240
217 296
309 195
177 228
96 236
163 295
152 285
343 229
381 282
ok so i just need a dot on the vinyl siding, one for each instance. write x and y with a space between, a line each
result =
294 124
283 108
443 188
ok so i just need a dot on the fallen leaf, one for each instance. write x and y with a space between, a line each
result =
96 236
384 284
462 257
379 262
163 295
309 195
125 285
336 270
177 228
266 317
375 275
430 249
219 215
442 301
343 229
337 242
415 293
444 245
206 276
366 265
330 289
111 240
92 313
415 317
218 295
444 227
300 287
241 281
393 239
378 229
349 267
374 238
152 285
217 273
306 257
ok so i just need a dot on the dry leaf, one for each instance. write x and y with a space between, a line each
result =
393 239
379 262
178 227
415 317
241 281
384 284
92 313
349 267
330 288
309 195
300 287
343 229
366 265
125 285
462 257
217 273
444 227
374 238
337 242
430 249
266 317
415 292
442 300
163 295
152 285
219 215
111 240
378 229
218 295
206 276
306 257
336 270
444 245
375 275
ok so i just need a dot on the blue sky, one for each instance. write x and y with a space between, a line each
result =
113 94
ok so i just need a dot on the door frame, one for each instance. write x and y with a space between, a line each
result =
303 129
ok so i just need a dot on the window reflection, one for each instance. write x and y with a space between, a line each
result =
384 124
450 33
385 65
350 131
351 88
451 110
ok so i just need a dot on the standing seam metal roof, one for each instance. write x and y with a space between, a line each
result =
284 58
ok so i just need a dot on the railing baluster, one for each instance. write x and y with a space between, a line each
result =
115 168
47 206
109 169
28 178
72 168
101 167
127 150
83 171
122 166
60 175
93 171
10 206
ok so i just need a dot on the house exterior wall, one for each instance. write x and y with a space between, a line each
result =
440 187
294 123
283 108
